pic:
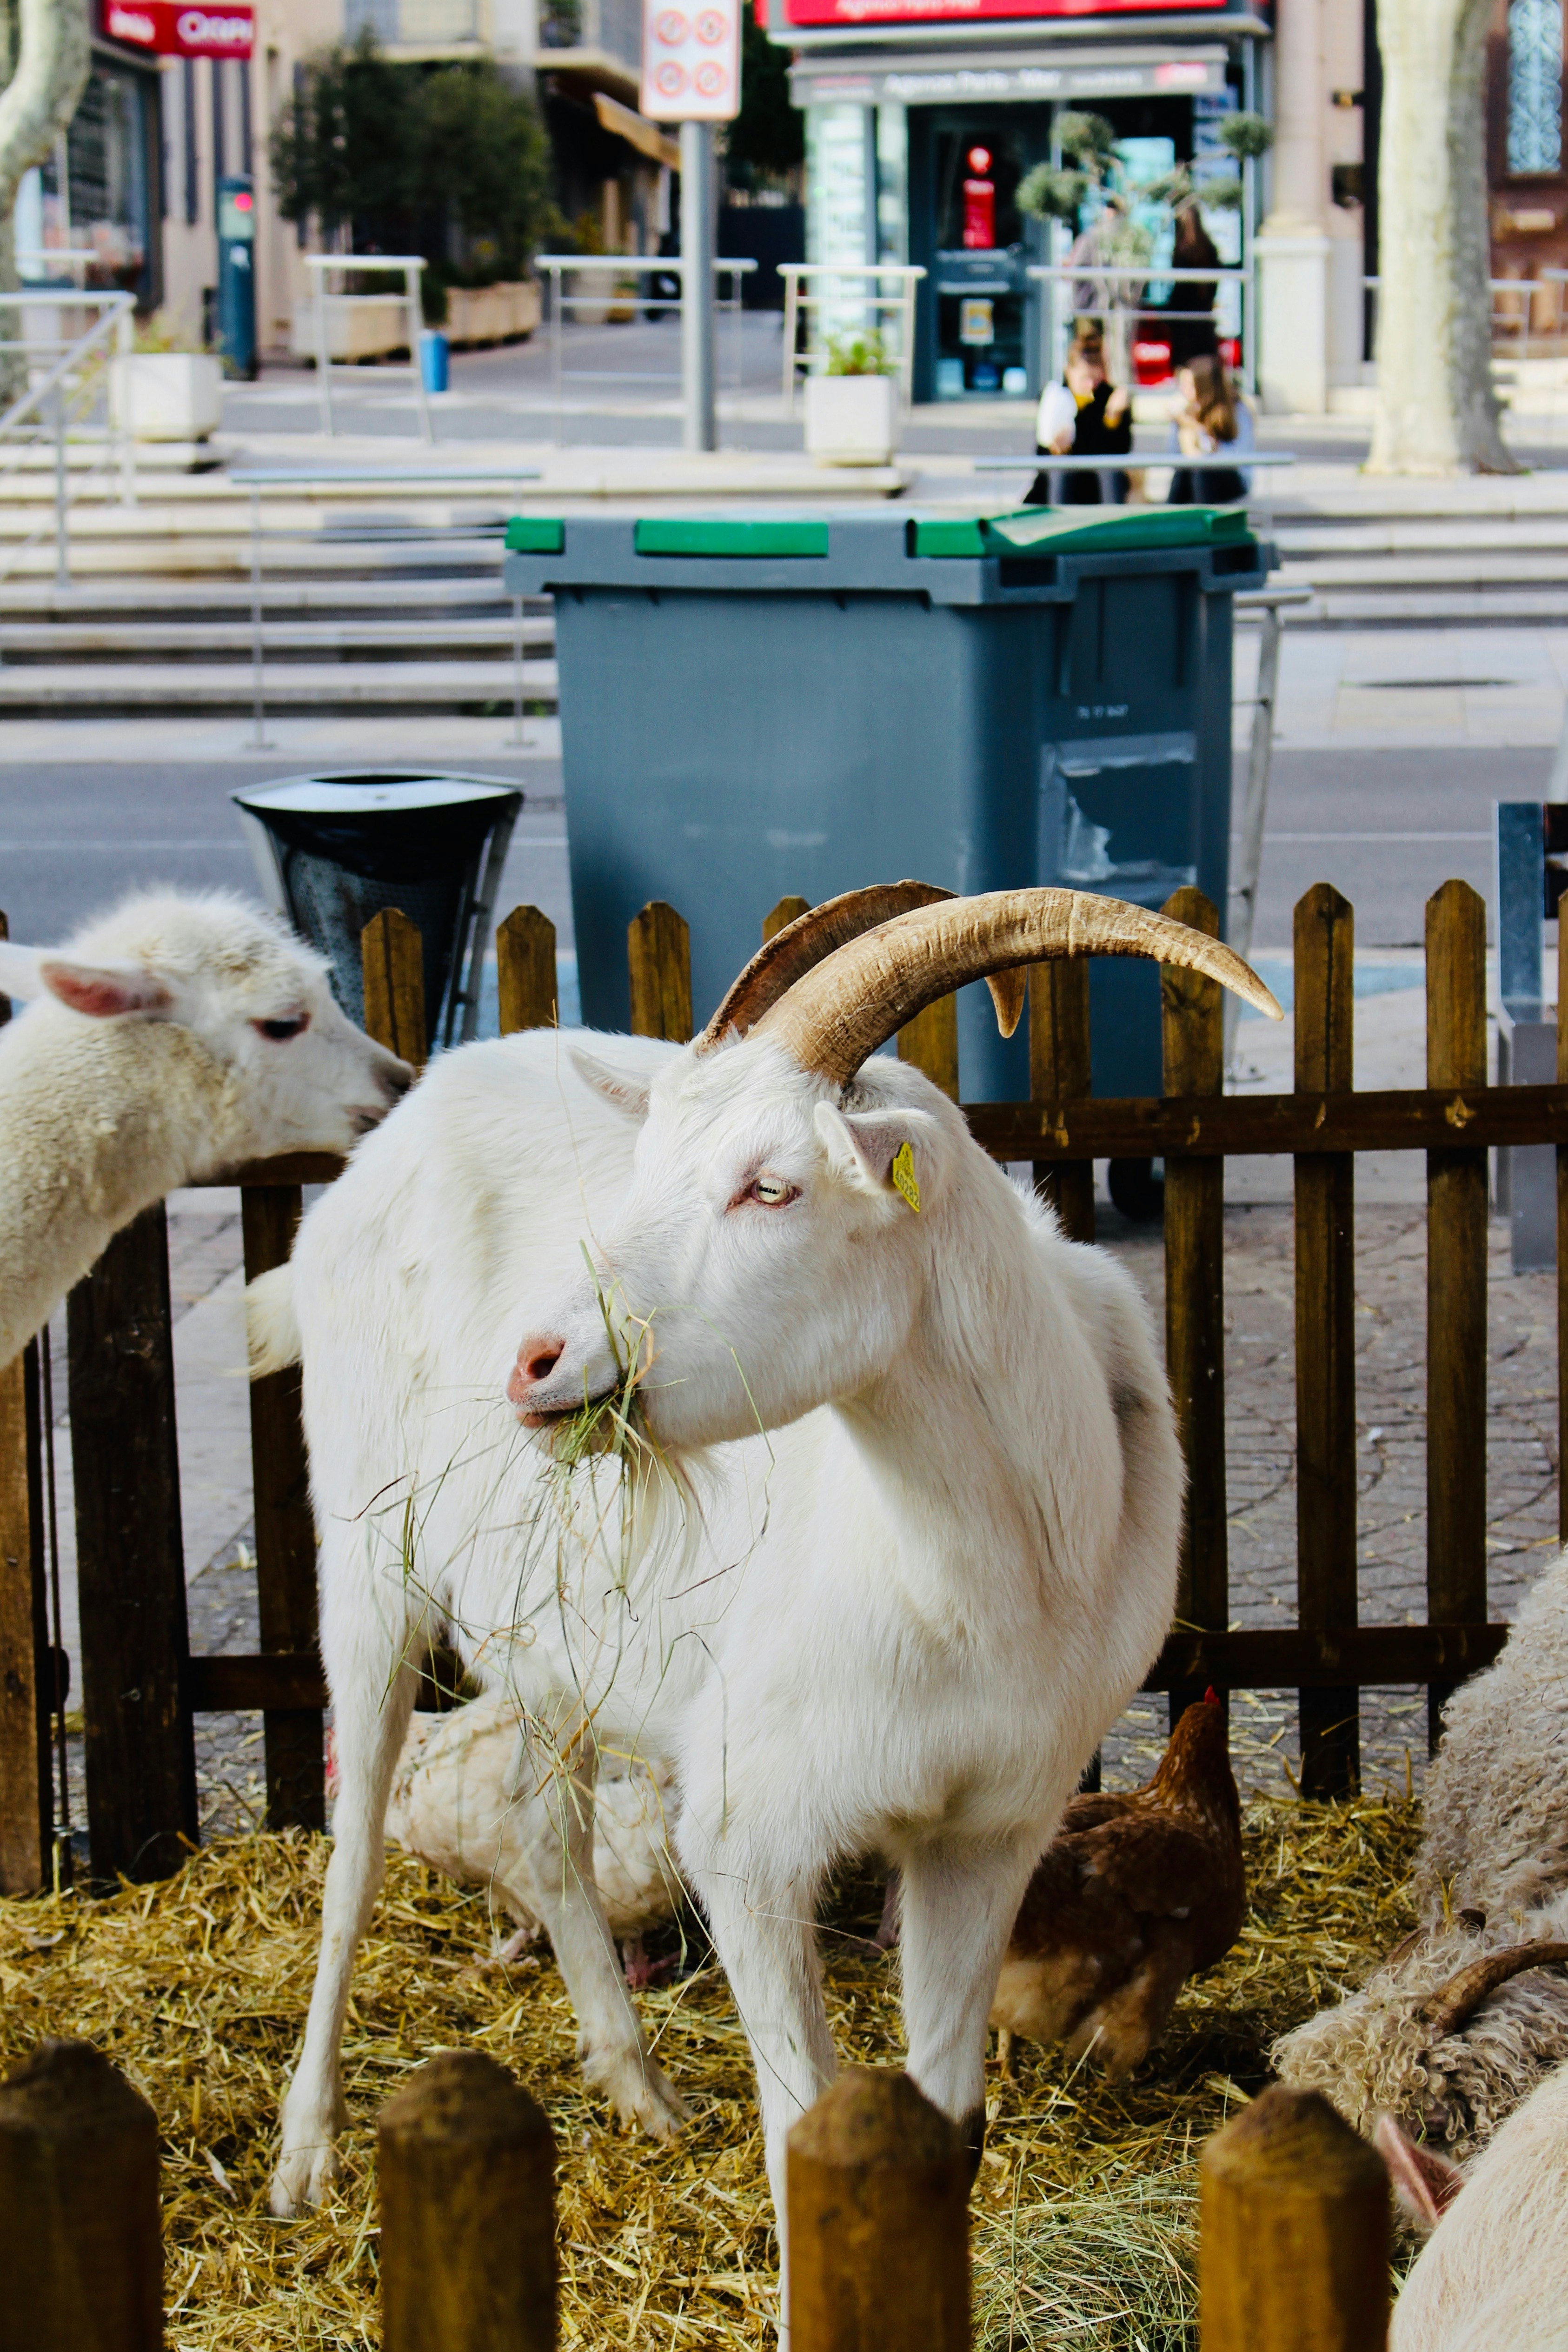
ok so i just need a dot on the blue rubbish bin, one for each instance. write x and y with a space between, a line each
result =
754 707
434 360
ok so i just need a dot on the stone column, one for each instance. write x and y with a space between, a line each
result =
1292 247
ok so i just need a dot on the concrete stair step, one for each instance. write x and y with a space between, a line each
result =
188 640
288 686
1463 570
340 596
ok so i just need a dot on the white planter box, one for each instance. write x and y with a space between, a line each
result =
364 327
851 420
167 396
492 314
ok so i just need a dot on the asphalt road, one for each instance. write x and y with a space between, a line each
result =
1385 826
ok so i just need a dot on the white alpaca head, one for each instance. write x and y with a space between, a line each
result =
292 1072
764 1260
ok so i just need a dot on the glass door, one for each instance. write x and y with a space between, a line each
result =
982 250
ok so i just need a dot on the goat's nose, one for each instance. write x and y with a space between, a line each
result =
396 1080
536 1360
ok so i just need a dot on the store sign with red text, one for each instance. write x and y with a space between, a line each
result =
964 12
165 29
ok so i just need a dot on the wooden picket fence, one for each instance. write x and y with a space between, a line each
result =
1294 2251
140 1688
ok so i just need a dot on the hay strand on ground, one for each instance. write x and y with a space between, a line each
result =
1083 2210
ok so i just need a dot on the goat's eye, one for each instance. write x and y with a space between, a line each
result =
771 1191
278 1033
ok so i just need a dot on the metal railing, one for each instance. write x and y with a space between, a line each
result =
859 284
407 265
258 479
1239 461
77 371
641 265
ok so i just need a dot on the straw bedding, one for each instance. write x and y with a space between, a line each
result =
1084 2207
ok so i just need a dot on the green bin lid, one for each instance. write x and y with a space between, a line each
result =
536 535
732 535
1067 530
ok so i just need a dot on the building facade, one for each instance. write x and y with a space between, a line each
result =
924 115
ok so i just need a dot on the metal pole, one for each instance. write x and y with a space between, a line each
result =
517 655
62 524
411 279
258 736
556 299
697 243
324 364
1244 890
124 345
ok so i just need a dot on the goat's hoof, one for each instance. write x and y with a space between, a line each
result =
639 2092
304 2177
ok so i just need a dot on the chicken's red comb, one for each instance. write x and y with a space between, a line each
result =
1211 1697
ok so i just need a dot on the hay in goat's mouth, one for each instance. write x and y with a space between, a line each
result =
1084 2207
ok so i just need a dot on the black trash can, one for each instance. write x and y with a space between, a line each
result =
756 707
330 852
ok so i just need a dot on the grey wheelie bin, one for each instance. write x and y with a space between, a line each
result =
756 706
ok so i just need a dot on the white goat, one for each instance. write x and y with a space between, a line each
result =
892 1537
1493 2275
1460 2021
172 1037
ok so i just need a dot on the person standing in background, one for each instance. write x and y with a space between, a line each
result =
1189 312
1086 416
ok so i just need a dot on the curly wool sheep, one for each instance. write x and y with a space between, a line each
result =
1458 2025
172 1037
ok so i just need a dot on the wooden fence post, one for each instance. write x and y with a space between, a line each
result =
1456 1280
467 2166
787 911
658 954
525 971
131 1564
393 957
27 1665
1295 2233
1325 1339
1193 1023
1060 1071
80 2248
877 2196
285 1532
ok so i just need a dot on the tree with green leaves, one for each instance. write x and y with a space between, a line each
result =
768 139
452 163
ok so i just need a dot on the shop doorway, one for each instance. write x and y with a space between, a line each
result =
977 334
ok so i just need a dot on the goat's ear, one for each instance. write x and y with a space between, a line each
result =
1425 2183
621 1094
19 974
104 992
884 1152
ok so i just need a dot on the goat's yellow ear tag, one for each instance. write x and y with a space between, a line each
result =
904 1175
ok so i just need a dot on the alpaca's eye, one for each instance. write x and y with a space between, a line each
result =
772 1192
278 1033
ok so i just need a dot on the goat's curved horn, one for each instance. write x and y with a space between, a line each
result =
839 1011
1454 2003
795 950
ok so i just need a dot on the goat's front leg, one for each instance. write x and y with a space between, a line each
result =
371 1709
959 1905
766 1932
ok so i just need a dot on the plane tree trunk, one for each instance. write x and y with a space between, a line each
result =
44 64
1436 407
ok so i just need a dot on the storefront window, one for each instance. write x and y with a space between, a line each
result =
107 153
1535 86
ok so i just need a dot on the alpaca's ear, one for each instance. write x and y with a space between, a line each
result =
106 992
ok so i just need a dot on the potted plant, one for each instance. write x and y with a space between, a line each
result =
168 388
852 410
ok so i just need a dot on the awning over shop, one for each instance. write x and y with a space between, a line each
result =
919 78
624 123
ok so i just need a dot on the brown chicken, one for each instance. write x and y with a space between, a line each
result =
1134 1894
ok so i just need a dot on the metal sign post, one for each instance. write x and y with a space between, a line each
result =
700 428
692 75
